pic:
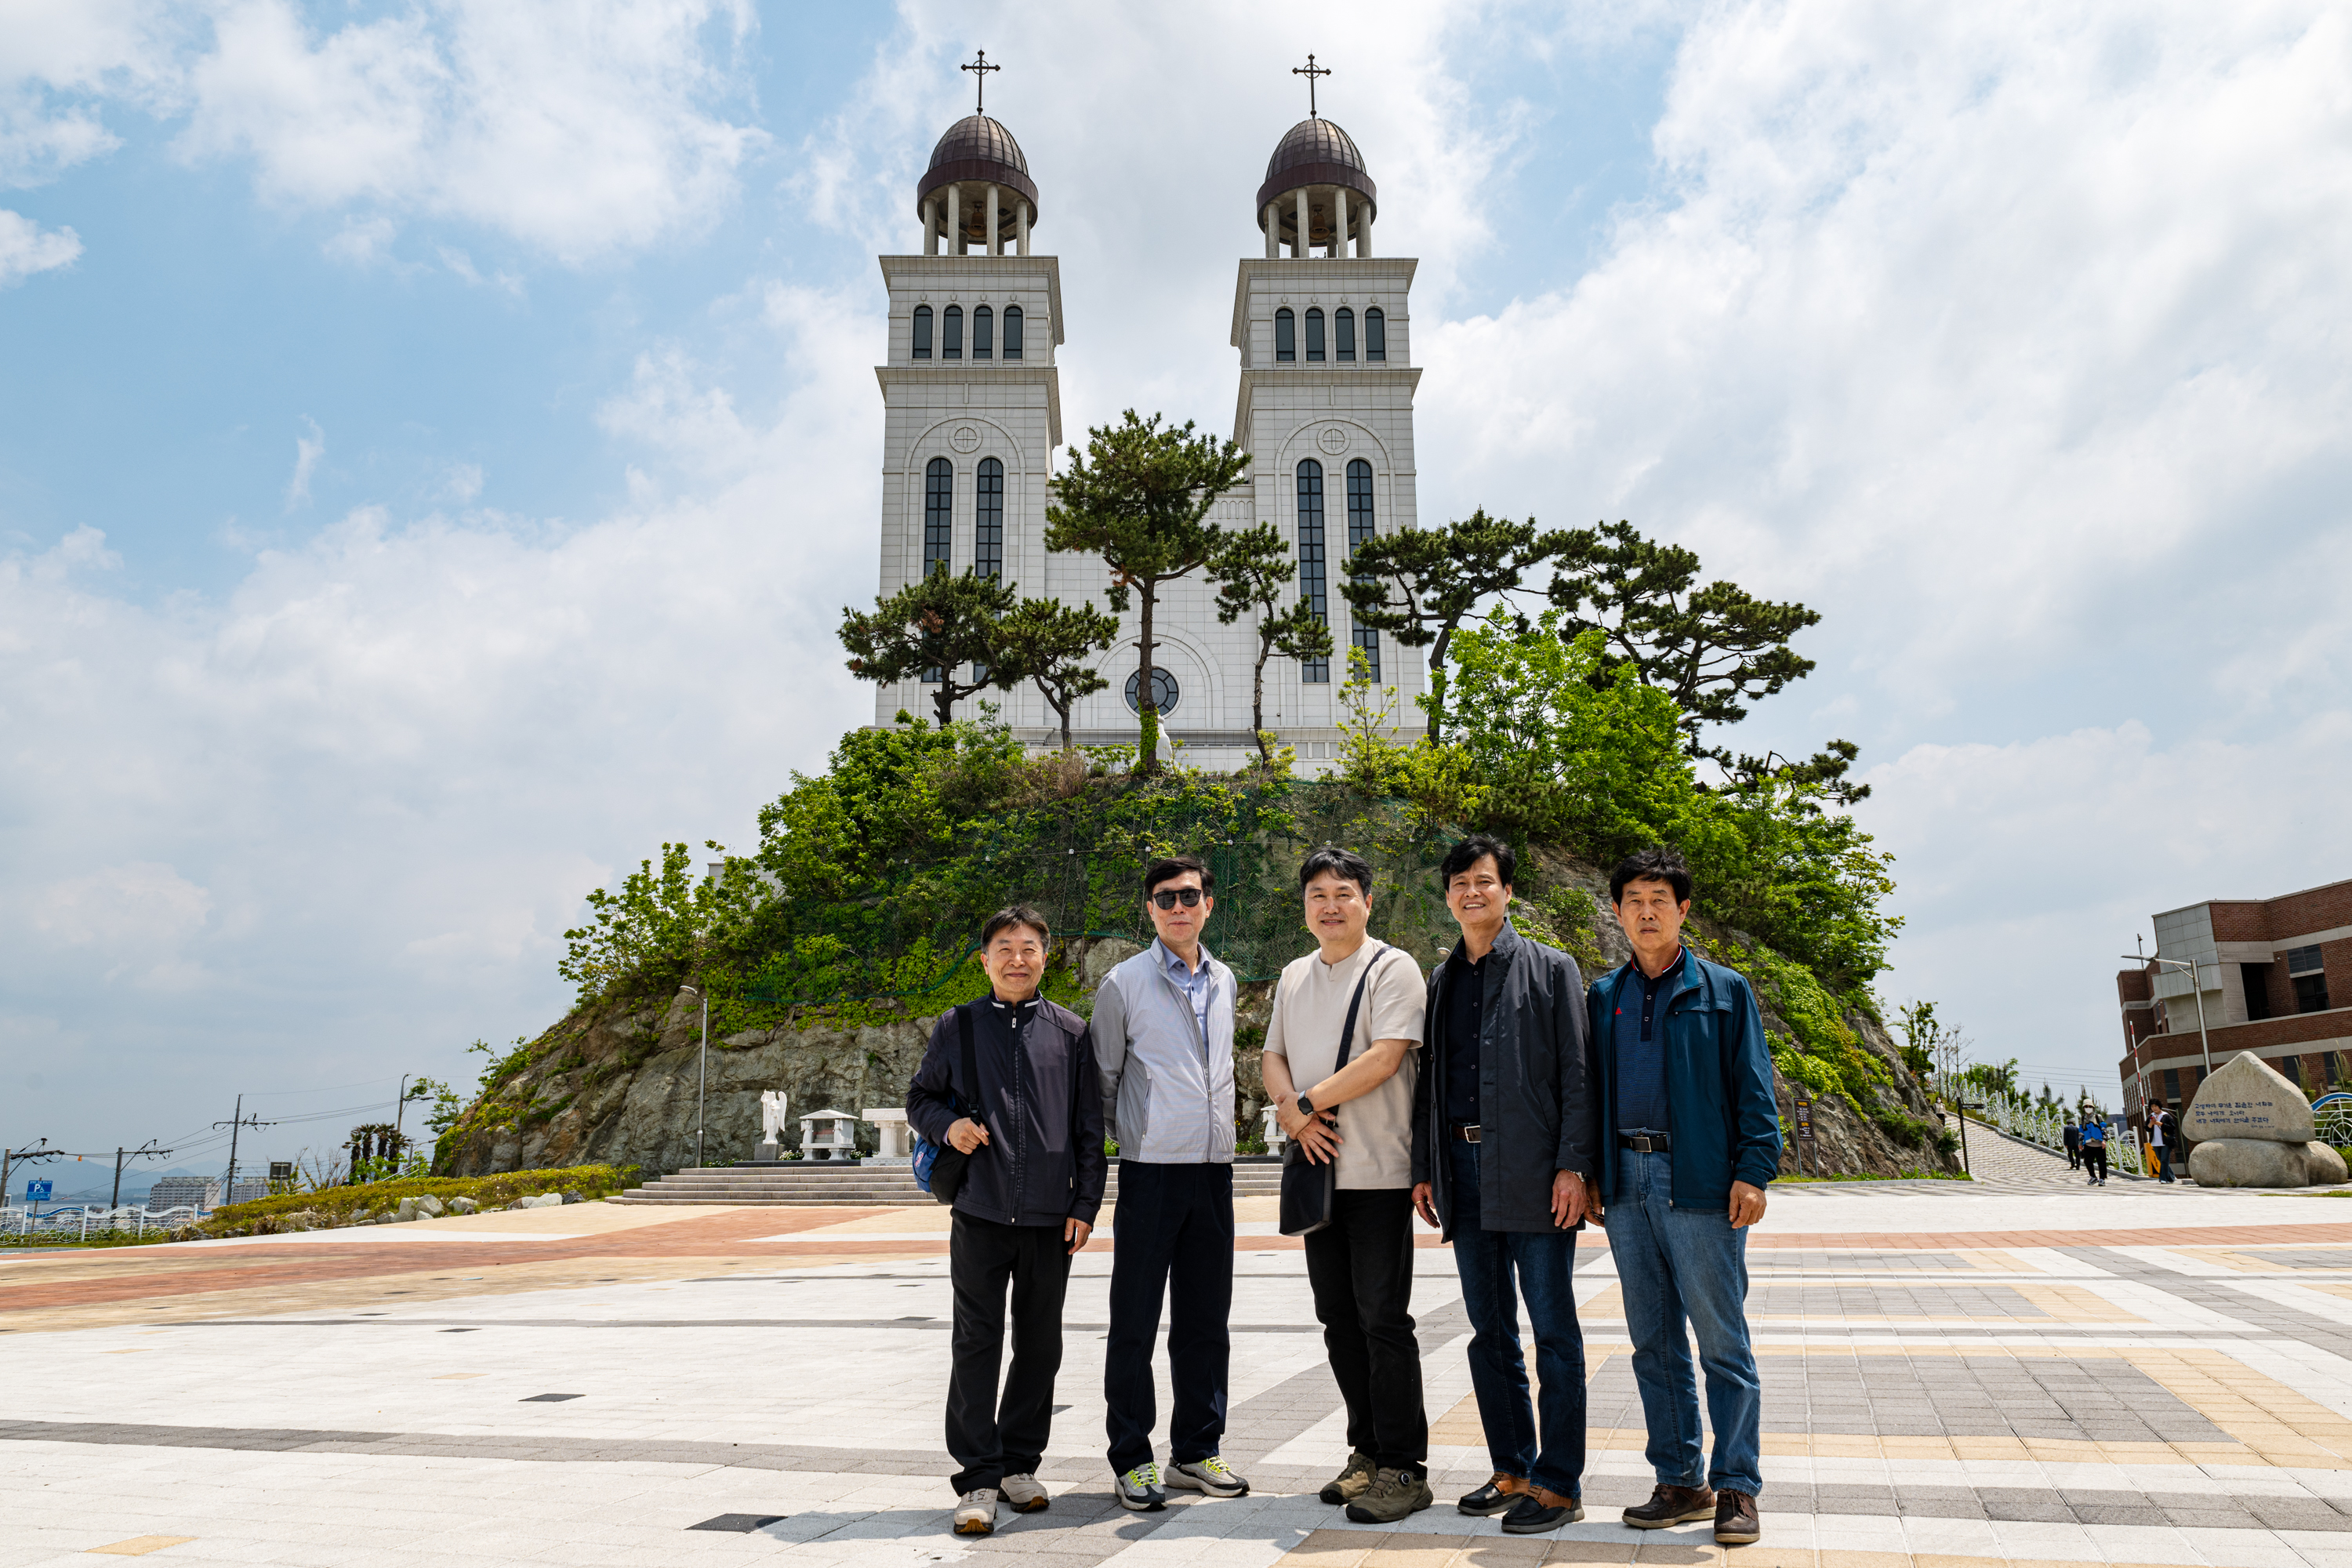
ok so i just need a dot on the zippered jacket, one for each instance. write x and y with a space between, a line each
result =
1537 1110
1720 1109
1039 1099
1168 1094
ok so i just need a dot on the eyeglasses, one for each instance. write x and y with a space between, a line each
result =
1169 898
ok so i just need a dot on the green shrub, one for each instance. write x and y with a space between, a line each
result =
344 1206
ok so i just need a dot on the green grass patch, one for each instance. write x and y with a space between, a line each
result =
331 1207
52 1238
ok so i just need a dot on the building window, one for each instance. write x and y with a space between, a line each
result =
922 332
983 329
1314 335
939 521
2307 974
1343 327
1316 671
953 347
2256 980
1012 331
2172 1086
987 519
1164 690
1376 336
1285 335
2293 1067
1360 530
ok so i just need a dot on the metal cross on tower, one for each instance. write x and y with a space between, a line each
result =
1310 71
979 76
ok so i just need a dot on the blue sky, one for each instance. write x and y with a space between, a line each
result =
436 441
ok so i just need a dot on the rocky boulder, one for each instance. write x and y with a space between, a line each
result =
2263 1162
2247 1099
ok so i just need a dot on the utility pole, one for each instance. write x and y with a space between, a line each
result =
2196 989
146 1150
29 1152
235 1124
701 1071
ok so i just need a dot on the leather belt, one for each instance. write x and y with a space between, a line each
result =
1466 1130
1646 1142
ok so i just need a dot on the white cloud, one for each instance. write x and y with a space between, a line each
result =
307 450
139 914
54 55
463 482
578 130
26 247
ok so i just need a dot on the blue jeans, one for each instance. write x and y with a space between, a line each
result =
1677 1266
1485 1261
2164 1163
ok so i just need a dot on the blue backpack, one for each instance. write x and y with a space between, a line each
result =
940 1168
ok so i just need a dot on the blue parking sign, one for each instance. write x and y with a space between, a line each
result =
37 1192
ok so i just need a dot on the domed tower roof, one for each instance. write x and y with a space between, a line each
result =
976 150
1315 152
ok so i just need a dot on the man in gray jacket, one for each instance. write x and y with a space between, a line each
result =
1163 1036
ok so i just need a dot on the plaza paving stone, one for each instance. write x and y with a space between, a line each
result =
2019 1372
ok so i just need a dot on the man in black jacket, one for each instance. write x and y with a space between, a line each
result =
1033 1127
1505 1136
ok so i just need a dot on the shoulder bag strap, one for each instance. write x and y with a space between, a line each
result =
1355 1004
971 1065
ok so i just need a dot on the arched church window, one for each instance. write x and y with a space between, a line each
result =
1285 335
1343 327
1310 560
922 332
987 520
953 347
1314 335
938 521
1164 690
1361 527
1012 331
983 328
1376 335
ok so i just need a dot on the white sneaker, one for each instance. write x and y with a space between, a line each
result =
1024 1493
1139 1489
1210 1475
976 1514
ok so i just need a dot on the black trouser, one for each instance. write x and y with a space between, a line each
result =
1360 1268
992 1439
2095 1156
1173 1234
2074 1156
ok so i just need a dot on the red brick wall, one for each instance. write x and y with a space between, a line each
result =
2241 922
2299 915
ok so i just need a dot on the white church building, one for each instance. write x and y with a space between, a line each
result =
972 411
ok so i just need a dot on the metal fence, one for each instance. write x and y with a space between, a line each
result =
85 1220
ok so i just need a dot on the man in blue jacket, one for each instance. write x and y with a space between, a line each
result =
1033 1127
1687 1108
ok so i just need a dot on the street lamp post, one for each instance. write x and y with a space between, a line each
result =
2196 989
701 1072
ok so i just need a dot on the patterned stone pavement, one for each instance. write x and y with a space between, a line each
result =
1955 1374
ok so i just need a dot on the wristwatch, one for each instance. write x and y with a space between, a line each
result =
1306 1106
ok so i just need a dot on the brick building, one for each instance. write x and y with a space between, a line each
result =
2275 976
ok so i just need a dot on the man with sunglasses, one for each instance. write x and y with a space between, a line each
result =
1163 1036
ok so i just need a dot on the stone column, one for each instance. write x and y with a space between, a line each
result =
1364 234
955 220
995 246
1273 230
1339 222
1299 251
932 225
1020 226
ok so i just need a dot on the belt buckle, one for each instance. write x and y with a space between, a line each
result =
1642 1144
1468 1134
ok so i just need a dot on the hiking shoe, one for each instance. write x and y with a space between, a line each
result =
1538 1509
1672 1505
1210 1475
1023 1493
1393 1495
1497 1495
1736 1523
1139 1489
976 1514
1351 1482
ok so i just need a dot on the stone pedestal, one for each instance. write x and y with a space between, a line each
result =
894 1139
769 1152
829 1136
2249 1127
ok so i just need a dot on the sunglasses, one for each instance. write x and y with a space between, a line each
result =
1169 898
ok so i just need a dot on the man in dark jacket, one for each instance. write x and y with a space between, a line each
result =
1506 1142
1027 1108
1688 1111
2073 1138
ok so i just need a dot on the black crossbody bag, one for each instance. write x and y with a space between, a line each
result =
948 1170
1308 1186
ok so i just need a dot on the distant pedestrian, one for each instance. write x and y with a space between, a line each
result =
2159 1139
1687 1108
1163 1031
1009 1080
2095 1151
1506 1154
2073 1145
1365 997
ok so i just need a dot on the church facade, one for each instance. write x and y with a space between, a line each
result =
972 418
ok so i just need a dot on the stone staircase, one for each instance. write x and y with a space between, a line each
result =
818 1184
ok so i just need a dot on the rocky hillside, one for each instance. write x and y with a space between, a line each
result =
615 1081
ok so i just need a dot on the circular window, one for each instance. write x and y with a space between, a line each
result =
1163 691
965 438
1333 440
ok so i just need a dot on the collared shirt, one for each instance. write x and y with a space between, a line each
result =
1466 1001
1639 1045
1195 984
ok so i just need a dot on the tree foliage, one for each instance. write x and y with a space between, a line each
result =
1251 572
944 624
1138 498
1051 645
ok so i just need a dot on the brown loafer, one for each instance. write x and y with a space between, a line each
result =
1736 1523
1671 1505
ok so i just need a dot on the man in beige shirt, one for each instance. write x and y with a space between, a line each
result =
1359 1114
